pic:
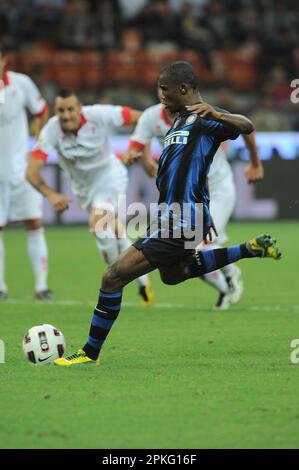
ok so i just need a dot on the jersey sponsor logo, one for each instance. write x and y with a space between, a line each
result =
176 137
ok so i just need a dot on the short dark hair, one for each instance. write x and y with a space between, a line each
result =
66 93
181 71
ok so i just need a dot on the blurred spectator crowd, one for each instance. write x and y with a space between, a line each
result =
246 52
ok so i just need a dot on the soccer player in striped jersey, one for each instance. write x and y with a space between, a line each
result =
190 146
19 202
156 122
80 134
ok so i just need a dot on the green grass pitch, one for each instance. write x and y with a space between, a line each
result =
178 375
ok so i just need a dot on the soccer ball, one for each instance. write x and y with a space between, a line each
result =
43 344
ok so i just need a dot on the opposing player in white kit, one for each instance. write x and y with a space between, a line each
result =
18 200
81 137
155 122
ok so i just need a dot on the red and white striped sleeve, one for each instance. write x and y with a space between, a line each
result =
110 115
143 132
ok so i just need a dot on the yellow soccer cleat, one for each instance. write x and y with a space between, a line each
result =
147 297
79 358
265 247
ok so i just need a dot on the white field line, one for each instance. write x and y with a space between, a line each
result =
161 305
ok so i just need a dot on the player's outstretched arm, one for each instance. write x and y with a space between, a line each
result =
33 175
238 121
255 170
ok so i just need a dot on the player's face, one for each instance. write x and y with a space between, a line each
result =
170 95
68 110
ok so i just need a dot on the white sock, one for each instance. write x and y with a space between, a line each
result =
229 270
123 244
107 245
217 280
38 254
3 287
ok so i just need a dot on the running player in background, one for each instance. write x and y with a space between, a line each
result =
18 200
81 137
156 122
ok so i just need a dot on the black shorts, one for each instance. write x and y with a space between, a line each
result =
178 243
167 251
164 251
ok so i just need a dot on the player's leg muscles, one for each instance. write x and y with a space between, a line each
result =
130 265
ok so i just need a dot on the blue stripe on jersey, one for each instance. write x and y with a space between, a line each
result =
183 167
185 161
195 187
165 162
172 173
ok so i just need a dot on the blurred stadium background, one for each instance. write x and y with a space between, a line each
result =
246 53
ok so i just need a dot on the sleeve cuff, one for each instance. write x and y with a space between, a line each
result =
136 145
126 115
39 155
42 112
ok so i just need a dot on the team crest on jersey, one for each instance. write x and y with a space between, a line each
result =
191 119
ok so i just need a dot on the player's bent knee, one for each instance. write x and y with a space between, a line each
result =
114 279
33 224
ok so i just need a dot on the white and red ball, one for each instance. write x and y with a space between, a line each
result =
43 344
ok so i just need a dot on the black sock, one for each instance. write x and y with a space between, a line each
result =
105 314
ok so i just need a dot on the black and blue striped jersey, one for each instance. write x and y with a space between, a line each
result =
189 148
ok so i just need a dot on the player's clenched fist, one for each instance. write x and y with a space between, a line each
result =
130 156
59 201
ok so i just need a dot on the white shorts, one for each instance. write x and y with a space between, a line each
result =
109 186
19 201
222 202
